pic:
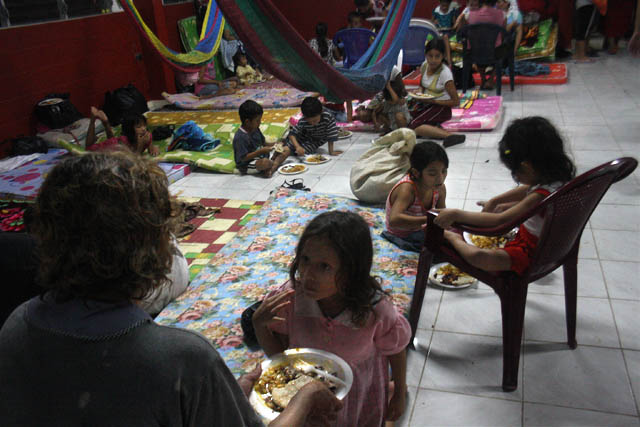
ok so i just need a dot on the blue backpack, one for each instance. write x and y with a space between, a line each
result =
191 137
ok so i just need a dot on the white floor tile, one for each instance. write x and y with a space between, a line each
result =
626 315
467 364
545 320
633 367
555 416
616 217
470 311
436 408
584 378
590 281
618 245
622 279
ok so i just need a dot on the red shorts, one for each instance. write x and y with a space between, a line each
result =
521 249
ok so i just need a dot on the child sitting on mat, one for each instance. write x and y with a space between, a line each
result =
421 189
316 128
208 87
439 96
245 73
395 113
250 149
134 128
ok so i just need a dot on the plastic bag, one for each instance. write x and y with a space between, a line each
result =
191 137
382 166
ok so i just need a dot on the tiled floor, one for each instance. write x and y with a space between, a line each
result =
455 373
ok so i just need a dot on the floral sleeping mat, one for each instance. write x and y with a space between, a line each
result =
256 261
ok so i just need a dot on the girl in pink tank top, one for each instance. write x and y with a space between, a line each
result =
420 190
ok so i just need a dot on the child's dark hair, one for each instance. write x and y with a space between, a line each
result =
349 236
129 125
311 106
249 110
351 16
426 152
236 58
490 3
361 3
536 140
437 44
398 87
321 38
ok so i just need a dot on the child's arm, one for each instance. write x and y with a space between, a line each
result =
394 96
514 195
442 198
296 145
446 217
398 401
453 100
267 314
259 152
404 196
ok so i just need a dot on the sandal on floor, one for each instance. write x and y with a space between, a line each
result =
295 184
185 229
452 140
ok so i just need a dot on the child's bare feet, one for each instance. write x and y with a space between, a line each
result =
99 114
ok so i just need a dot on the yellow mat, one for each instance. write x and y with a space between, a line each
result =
156 118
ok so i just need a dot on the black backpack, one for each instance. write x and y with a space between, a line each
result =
122 102
56 111
24 145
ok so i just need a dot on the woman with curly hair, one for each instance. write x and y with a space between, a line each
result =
84 352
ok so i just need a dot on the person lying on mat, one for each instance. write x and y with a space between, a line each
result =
102 224
316 128
533 151
134 128
208 87
250 149
439 96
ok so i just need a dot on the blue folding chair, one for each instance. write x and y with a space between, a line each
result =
355 42
413 45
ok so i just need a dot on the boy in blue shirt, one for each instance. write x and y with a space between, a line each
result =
445 14
250 149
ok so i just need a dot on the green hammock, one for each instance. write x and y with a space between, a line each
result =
280 49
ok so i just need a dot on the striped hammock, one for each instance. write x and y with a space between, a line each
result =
203 52
281 50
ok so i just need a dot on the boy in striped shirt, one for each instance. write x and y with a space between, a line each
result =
316 128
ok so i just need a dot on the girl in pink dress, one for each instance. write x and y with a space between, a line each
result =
533 150
332 302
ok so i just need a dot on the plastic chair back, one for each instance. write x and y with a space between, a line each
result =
413 45
481 39
355 42
568 210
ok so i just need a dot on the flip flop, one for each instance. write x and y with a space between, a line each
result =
584 61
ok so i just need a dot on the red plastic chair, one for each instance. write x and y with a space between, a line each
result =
566 212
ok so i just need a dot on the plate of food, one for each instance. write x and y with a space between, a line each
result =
489 242
49 101
292 169
419 95
316 159
449 276
284 374
344 134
